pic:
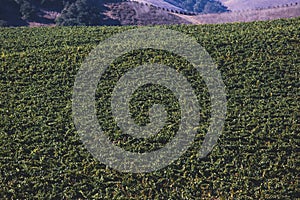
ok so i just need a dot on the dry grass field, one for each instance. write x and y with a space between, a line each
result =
245 16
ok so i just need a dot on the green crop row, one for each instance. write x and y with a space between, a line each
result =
257 155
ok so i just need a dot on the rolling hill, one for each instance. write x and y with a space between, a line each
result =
83 12
133 13
235 5
136 12
197 6
246 15
161 4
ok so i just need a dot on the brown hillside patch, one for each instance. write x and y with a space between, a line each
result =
131 13
246 16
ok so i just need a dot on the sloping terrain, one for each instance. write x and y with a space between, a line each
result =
283 11
160 3
79 12
133 13
255 4
196 6
245 16
257 154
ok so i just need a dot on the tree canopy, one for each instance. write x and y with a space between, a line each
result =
73 12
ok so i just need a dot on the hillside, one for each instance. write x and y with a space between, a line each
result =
256 156
133 13
197 6
83 12
246 16
160 4
67 12
234 5
136 12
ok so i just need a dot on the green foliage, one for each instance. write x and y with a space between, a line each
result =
81 12
27 10
257 154
3 23
212 7
73 12
9 13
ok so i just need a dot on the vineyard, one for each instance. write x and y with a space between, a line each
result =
257 155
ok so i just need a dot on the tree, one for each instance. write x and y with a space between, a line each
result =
199 6
27 10
10 13
3 23
81 12
188 5
214 7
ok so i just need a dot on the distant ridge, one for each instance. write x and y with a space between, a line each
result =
183 12
278 12
168 7
267 8
264 4
207 6
159 4
239 5
142 12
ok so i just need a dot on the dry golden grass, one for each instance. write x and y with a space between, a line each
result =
245 16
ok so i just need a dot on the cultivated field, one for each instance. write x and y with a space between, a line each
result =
257 155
